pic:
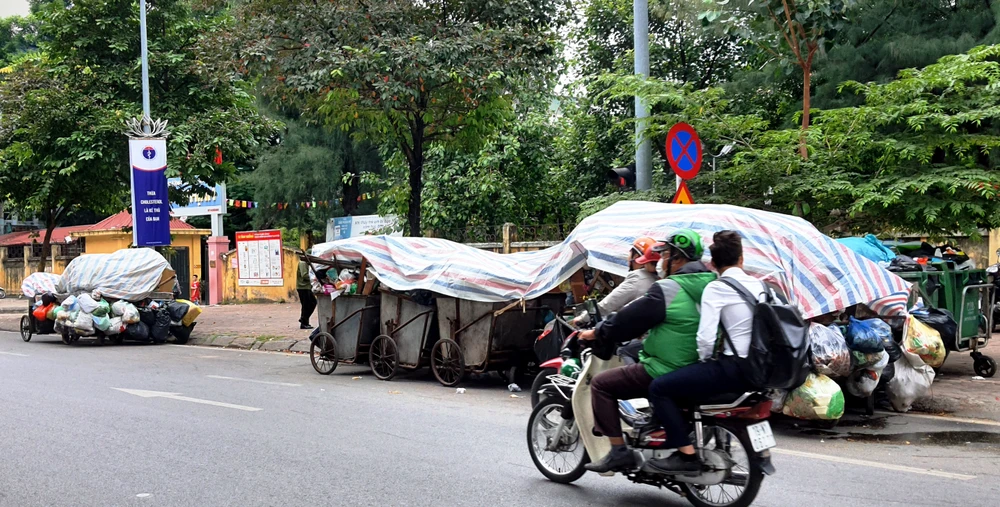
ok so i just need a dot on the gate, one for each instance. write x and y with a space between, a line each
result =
180 261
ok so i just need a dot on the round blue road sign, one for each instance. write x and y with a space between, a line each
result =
684 151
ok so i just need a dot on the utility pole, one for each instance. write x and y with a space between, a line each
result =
143 52
640 28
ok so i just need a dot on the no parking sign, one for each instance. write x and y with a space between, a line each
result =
684 151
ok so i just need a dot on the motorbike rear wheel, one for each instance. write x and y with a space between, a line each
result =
745 477
566 464
536 387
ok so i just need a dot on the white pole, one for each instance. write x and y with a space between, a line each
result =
640 29
143 52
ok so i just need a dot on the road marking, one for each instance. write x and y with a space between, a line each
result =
874 464
286 384
178 397
932 417
14 354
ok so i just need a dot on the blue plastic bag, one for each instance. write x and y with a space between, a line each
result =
868 336
869 247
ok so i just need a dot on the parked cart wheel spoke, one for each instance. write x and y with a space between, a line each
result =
323 354
447 362
383 357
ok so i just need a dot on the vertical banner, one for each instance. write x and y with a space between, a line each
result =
150 203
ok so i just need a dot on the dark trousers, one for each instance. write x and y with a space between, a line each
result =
685 387
308 302
622 383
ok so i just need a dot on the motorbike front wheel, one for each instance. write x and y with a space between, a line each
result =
547 429
743 483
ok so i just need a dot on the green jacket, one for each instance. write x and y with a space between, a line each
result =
669 311
302 279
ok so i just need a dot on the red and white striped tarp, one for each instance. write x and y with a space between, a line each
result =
819 274
39 283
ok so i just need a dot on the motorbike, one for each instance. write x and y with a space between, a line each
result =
3 293
731 434
994 274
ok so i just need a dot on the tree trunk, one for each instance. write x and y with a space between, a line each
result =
50 225
352 189
416 160
416 190
806 99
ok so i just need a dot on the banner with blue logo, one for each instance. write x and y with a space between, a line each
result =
150 202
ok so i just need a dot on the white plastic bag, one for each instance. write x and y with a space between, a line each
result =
116 327
118 309
84 324
87 303
818 398
912 381
70 304
130 315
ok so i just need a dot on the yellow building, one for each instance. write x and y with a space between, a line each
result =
115 233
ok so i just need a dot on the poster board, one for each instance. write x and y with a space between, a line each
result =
259 259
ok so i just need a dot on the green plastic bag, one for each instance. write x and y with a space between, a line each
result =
819 397
103 309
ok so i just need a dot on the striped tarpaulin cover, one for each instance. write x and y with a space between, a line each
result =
819 274
39 283
131 274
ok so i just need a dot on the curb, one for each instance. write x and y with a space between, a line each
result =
251 343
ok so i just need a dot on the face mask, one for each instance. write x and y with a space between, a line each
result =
661 268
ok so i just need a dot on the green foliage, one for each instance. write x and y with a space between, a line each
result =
405 73
62 112
310 164
18 35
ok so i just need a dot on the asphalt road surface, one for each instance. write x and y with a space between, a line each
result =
177 425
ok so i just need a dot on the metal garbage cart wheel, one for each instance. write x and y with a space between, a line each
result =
118 339
26 328
985 366
383 357
447 362
323 354
66 337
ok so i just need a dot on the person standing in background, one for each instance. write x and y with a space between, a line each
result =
306 298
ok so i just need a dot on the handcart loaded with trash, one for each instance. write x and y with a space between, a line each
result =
127 295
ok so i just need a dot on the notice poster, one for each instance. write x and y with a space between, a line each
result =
259 259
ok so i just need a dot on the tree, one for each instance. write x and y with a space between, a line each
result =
402 72
917 156
18 35
62 141
309 164
794 31
883 37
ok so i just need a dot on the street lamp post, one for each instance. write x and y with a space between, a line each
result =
640 33
726 150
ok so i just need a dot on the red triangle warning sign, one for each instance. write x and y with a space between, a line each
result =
683 195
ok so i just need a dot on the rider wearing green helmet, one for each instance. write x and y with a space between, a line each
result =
669 312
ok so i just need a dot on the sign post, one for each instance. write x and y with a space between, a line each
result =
684 156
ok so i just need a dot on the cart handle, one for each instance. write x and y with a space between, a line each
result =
989 314
415 317
349 317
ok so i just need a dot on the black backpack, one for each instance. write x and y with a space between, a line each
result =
779 345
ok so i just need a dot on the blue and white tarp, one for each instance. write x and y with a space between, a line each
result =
819 274
39 283
131 274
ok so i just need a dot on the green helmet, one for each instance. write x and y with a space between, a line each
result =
685 241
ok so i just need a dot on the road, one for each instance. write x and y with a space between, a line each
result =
253 428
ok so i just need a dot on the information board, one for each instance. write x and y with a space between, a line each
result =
259 259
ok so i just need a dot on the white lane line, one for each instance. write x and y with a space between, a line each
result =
943 418
13 354
178 397
286 384
874 464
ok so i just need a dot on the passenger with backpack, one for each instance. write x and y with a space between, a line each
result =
754 328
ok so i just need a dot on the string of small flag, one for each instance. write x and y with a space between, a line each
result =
238 203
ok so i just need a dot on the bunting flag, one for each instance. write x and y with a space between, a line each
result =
281 206
218 156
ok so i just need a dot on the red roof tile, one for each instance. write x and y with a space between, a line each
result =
113 223
27 237
124 219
